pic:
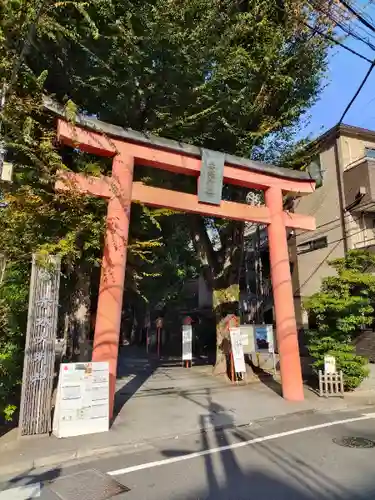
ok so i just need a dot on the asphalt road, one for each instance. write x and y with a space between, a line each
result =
298 457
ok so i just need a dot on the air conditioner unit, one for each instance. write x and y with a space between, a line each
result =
7 172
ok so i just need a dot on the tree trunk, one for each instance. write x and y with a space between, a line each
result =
221 271
80 316
225 303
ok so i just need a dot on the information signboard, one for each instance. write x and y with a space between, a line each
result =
82 400
237 350
247 337
187 341
329 364
264 340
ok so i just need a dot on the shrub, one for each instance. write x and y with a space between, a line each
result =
342 307
13 317
353 366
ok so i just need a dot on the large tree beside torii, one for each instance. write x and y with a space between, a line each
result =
224 74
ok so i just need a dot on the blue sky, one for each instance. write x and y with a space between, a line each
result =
345 74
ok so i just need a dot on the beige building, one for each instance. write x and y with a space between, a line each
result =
343 206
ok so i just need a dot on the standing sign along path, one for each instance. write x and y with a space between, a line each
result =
129 148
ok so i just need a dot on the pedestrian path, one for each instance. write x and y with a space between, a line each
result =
162 400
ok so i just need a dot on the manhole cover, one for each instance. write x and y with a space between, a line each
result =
354 442
87 485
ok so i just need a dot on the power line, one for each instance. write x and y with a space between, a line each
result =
358 15
357 92
339 20
325 258
336 42
321 228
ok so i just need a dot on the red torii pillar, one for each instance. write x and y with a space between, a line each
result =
120 191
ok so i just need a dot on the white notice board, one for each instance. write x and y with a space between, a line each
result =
329 364
247 336
82 400
187 341
237 350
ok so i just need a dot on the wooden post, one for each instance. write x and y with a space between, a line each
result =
232 367
158 342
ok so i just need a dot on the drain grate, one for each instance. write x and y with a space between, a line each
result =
87 485
354 442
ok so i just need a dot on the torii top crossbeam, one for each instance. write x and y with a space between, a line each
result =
212 169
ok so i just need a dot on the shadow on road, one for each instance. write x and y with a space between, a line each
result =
138 371
265 377
226 480
30 478
136 367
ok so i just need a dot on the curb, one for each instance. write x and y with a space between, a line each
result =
61 458
64 457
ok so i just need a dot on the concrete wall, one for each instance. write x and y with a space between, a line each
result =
361 232
353 149
360 227
309 268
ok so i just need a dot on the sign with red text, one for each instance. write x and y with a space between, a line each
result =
82 401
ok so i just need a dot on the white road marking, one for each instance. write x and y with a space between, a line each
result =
21 492
220 449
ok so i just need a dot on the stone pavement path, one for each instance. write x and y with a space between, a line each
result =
156 401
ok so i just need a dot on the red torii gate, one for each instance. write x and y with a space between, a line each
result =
129 148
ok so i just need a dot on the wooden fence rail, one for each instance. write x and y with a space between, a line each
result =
331 384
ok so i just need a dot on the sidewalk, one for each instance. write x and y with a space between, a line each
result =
156 402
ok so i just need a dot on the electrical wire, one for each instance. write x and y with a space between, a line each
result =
336 42
357 92
350 32
337 16
358 15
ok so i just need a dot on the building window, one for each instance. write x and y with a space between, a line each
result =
315 171
370 152
312 245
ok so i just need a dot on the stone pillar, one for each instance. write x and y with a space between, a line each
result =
286 329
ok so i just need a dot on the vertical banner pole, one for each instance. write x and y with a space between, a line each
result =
187 342
158 342
232 367
159 326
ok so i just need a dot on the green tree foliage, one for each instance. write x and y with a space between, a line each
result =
36 218
232 75
344 305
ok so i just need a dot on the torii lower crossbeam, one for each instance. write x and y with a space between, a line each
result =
120 190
